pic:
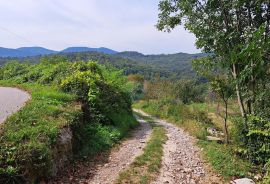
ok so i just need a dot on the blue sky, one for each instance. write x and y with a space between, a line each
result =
117 24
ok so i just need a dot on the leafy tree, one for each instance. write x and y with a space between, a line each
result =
232 30
237 32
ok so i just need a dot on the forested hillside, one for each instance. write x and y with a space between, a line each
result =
173 66
179 63
40 51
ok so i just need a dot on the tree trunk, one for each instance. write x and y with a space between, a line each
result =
225 122
239 97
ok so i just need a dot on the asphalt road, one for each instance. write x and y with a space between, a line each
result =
11 100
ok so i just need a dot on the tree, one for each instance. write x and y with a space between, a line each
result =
221 84
222 87
235 31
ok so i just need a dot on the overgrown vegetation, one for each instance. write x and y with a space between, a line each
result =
145 167
173 66
92 100
195 121
237 33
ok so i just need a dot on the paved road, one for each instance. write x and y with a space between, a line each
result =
11 100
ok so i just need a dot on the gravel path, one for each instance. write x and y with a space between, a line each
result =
120 160
182 162
11 100
105 168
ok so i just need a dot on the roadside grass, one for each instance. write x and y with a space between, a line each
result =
223 160
28 135
92 101
222 157
146 167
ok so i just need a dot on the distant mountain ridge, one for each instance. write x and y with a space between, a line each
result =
36 51
175 63
87 49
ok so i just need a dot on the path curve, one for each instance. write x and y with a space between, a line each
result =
105 168
182 162
11 100
121 159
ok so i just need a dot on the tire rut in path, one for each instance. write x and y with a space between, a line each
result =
104 169
182 162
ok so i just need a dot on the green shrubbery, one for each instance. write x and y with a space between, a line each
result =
93 100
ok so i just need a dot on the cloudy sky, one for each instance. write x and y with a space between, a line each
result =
117 24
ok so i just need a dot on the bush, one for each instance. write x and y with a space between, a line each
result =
253 140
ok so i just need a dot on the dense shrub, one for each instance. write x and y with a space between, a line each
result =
253 141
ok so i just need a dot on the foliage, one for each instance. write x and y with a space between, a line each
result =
92 99
173 66
258 139
27 136
182 91
237 33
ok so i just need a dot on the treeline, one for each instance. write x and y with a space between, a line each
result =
172 66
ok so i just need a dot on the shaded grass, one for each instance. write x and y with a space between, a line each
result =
95 137
221 157
145 167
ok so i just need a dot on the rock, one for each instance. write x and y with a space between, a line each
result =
216 139
258 177
212 131
243 181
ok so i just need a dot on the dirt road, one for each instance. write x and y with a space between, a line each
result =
182 162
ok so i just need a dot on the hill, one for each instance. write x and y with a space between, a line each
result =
36 51
25 51
178 64
33 51
88 49
172 66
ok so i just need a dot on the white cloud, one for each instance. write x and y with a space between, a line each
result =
117 24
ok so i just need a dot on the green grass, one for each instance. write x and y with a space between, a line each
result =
221 157
95 137
145 167
224 160
47 111
98 114
28 135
